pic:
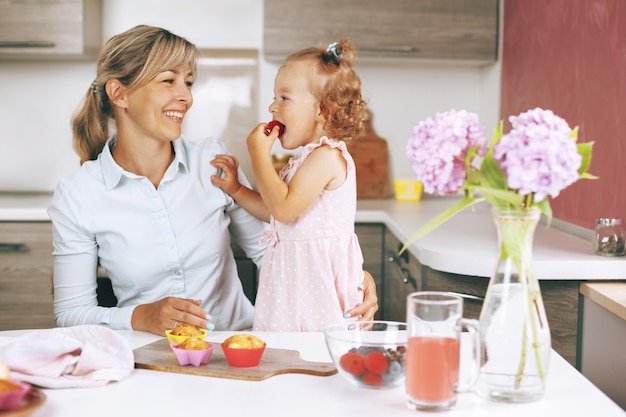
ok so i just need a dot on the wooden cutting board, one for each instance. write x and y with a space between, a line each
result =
158 356
371 157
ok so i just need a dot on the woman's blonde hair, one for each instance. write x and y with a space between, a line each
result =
336 86
134 58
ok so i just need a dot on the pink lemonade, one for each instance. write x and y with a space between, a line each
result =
432 368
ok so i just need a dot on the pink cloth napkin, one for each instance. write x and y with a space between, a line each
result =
68 357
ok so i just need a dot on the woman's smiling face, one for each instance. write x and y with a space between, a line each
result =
157 109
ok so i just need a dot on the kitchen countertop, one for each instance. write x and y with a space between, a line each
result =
466 244
24 206
156 394
610 295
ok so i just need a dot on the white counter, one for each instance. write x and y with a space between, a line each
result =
466 244
24 206
154 393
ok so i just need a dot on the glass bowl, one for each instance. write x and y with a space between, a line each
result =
369 354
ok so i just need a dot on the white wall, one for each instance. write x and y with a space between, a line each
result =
38 98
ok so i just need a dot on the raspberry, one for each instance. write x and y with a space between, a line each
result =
273 124
372 379
352 363
376 362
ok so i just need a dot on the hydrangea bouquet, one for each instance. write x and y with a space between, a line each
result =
537 159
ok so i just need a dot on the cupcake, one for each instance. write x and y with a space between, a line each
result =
192 351
12 393
184 331
243 350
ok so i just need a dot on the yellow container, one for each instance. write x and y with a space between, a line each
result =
407 190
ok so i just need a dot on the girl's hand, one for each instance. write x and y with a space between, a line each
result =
369 307
260 144
165 314
229 181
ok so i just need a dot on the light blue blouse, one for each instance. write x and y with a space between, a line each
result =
153 243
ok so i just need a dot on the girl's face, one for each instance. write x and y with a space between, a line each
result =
156 110
295 106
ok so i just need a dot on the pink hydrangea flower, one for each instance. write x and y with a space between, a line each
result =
538 155
437 149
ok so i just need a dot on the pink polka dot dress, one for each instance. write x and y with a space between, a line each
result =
313 265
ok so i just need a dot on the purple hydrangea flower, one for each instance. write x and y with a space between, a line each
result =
538 155
437 149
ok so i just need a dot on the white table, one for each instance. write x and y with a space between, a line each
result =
153 393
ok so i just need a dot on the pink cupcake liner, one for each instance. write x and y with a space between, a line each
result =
192 357
243 358
12 400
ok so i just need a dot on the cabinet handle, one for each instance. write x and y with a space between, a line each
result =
27 44
388 48
13 247
467 296
404 272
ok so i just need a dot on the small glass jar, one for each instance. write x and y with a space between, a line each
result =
609 239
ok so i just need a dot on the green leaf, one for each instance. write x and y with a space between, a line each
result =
497 134
492 174
501 198
584 149
469 156
439 219
544 206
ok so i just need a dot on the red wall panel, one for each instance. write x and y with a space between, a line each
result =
570 56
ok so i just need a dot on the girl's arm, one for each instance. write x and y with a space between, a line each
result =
247 198
325 168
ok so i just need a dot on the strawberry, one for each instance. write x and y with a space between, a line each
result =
376 362
352 363
372 379
271 126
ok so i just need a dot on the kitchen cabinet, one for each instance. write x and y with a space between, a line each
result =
560 298
604 322
371 240
471 289
248 272
431 29
46 28
26 266
402 276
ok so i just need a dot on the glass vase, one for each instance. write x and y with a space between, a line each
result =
514 330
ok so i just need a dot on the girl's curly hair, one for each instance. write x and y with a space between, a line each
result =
336 86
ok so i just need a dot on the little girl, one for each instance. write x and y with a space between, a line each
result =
312 268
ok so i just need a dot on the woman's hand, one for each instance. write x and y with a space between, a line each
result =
165 314
369 307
